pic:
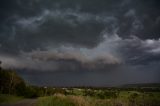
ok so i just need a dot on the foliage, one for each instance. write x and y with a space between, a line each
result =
131 98
54 101
10 82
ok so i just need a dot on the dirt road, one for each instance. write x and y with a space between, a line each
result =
26 102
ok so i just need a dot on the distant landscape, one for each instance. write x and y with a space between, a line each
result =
14 89
79 52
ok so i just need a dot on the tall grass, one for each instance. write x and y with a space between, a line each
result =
71 100
131 98
54 101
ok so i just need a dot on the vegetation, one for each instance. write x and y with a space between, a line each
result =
102 98
12 84
55 101
14 88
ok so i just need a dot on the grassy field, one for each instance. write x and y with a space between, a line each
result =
92 97
82 97
5 98
62 100
125 95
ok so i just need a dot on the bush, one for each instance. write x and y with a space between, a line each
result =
54 101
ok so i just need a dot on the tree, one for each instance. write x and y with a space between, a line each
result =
9 80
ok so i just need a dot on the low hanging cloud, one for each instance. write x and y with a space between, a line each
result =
94 58
114 51
69 57
21 62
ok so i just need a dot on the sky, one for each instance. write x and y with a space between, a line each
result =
81 42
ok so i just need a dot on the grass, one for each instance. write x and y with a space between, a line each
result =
58 100
5 98
91 97
125 98
71 100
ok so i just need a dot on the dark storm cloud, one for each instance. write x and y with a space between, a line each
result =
69 57
62 27
138 51
81 36
113 51
76 22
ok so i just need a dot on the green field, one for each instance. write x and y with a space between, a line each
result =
92 97
14 88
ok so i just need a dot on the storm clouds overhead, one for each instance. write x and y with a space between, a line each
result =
81 42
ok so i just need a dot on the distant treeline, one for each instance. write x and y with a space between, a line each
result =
12 83
121 88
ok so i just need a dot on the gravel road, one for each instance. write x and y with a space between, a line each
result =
26 102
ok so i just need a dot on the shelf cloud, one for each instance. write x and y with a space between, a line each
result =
83 37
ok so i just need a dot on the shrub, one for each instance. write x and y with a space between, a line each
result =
54 101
